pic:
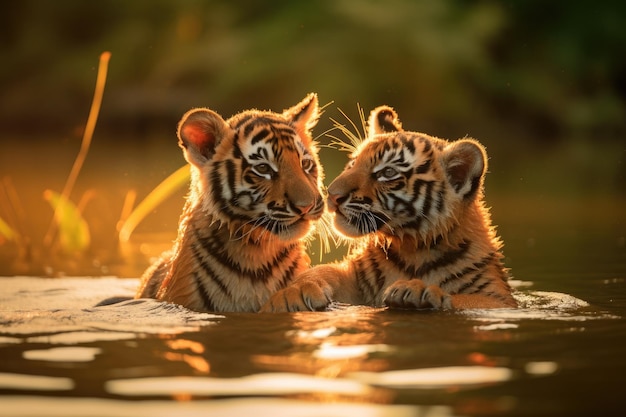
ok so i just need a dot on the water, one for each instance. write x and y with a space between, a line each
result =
61 356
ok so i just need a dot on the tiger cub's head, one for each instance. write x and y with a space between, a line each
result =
401 183
257 172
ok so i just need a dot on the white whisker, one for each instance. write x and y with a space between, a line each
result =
256 223
383 221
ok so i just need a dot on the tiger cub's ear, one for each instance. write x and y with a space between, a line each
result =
199 132
383 119
465 163
304 116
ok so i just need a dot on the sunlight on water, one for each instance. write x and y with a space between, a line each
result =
428 378
541 368
35 382
275 407
260 384
331 351
63 354
71 337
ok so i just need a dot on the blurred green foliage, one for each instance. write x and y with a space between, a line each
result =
73 231
552 69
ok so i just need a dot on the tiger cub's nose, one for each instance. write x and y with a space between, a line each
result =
304 208
334 200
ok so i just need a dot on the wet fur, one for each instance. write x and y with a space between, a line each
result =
255 194
422 236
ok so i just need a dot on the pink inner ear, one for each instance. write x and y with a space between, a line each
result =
198 136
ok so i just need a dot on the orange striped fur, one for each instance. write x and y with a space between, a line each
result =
413 205
255 195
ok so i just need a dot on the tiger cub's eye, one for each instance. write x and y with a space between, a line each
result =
387 174
308 165
264 170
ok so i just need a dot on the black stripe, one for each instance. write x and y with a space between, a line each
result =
217 191
428 199
262 134
446 259
204 295
288 275
481 287
476 266
469 284
399 263
216 249
380 277
216 184
249 128
209 272
236 150
245 119
230 176
506 298
280 258
424 167
415 224
284 131
441 195
363 283
475 184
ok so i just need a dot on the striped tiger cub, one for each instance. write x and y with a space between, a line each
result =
414 206
255 195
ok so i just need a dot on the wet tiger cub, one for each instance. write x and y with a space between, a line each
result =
414 204
255 193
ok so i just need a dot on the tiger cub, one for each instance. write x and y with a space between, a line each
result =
414 204
255 195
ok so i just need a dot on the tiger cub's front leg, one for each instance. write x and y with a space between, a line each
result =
415 294
312 290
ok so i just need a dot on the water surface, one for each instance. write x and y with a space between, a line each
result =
61 356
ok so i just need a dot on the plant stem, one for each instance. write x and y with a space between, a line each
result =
86 143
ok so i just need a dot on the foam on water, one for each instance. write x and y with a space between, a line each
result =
65 311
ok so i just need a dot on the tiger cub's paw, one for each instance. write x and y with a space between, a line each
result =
301 296
414 294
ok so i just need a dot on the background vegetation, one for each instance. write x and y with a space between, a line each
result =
541 84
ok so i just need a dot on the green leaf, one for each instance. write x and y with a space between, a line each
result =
73 231
166 188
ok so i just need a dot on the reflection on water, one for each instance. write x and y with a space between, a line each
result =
63 354
259 384
35 382
276 407
451 377
150 358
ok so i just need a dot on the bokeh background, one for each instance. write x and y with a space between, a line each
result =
541 84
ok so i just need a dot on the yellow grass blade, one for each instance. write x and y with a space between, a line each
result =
85 144
6 232
73 231
165 189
